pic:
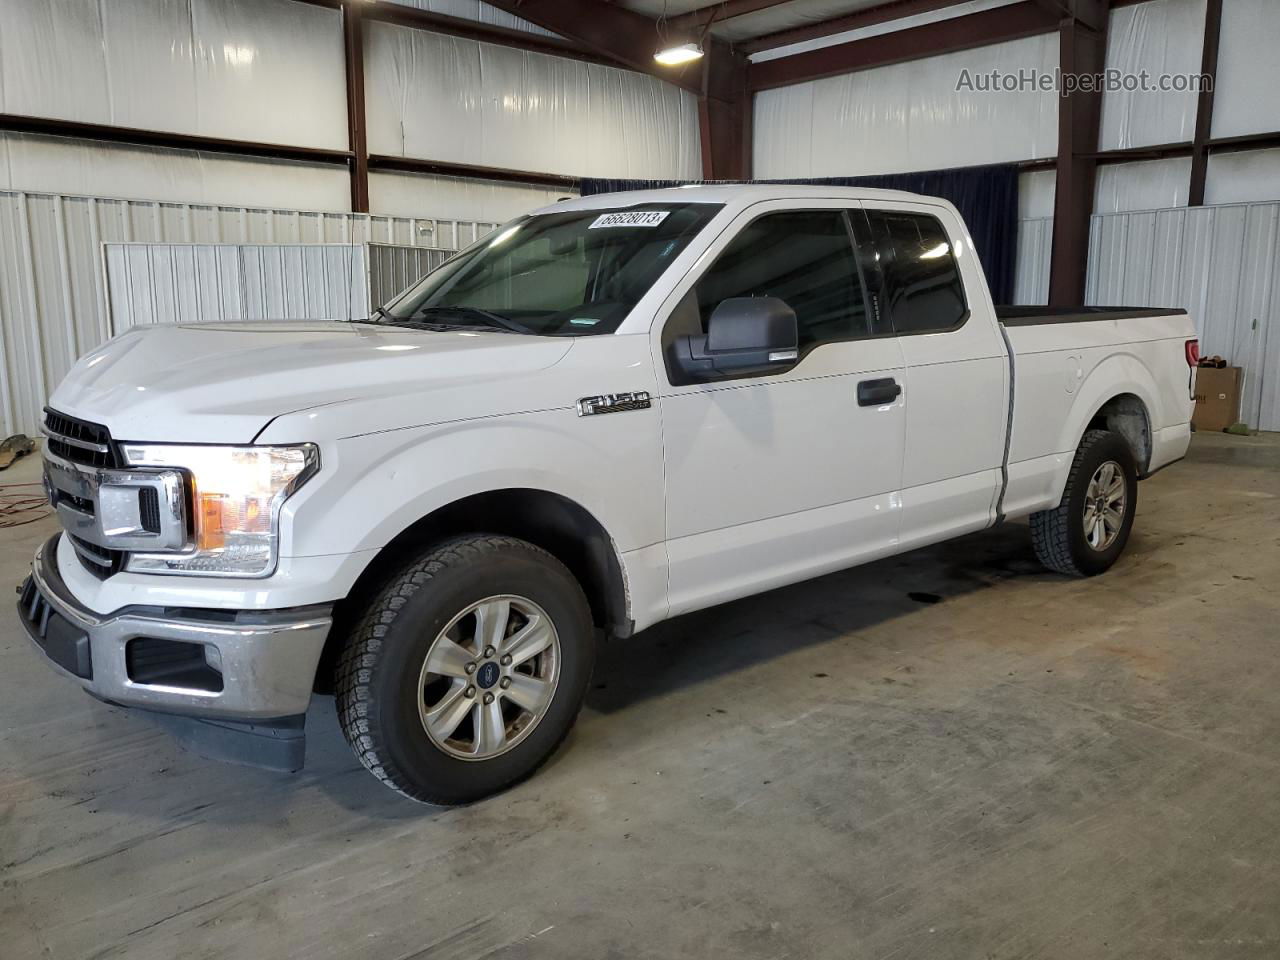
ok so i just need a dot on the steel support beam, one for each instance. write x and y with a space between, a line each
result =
105 133
869 17
610 31
724 113
415 19
726 10
1157 151
1082 43
353 66
1204 105
1025 19
1251 141
445 168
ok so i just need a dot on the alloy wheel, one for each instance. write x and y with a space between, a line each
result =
489 677
1105 502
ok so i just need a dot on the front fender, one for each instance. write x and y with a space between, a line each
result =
373 487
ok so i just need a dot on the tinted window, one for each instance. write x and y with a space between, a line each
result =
576 273
922 288
803 257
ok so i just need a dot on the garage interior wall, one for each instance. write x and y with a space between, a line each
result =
1147 247
272 71
52 296
1222 263
463 101
908 116
911 116
478 11
1159 37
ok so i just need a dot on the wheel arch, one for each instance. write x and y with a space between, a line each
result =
1119 395
552 521
1125 414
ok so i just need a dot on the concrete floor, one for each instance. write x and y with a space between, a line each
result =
951 754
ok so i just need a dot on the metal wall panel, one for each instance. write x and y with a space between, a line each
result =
391 269
908 116
149 283
1035 245
1222 264
455 99
1156 38
268 70
52 283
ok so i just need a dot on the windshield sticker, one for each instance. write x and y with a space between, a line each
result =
635 218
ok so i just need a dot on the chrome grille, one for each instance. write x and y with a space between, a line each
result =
149 509
99 561
87 444
108 511
78 441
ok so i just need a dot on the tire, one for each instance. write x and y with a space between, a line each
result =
385 686
1059 535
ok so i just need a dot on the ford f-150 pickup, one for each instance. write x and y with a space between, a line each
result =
615 410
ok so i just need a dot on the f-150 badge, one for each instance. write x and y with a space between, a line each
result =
614 403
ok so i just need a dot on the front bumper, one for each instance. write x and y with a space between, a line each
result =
265 659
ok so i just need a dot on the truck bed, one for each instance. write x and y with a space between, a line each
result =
1017 315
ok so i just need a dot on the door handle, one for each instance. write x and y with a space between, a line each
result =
873 393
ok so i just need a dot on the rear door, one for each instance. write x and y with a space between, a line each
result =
930 287
775 477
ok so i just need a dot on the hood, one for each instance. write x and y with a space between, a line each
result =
223 382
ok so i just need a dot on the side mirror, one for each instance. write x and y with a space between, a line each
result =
745 335
563 246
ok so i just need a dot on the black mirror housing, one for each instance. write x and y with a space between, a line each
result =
745 336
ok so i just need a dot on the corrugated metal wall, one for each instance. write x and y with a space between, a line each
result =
1223 264
1035 245
150 283
52 287
391 269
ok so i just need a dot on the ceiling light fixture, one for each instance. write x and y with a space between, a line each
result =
683 53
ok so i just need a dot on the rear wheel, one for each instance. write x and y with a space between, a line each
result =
1086 533
467 671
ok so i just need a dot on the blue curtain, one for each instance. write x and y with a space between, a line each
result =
987 198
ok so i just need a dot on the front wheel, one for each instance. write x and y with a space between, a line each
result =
468 669
1086 533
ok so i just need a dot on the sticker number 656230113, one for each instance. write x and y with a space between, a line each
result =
630 218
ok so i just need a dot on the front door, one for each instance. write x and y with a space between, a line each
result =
773 478
957 387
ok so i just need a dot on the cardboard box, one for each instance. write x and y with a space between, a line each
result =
1217 398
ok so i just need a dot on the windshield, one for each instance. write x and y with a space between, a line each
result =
574 273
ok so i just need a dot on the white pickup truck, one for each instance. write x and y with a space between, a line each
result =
615 410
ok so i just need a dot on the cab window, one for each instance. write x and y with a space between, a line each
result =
922 291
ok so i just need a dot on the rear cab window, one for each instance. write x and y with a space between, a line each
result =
921 290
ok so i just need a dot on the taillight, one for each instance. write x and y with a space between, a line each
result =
1193 353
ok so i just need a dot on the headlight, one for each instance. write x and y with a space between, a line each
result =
235 494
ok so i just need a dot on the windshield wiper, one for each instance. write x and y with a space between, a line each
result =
474 313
